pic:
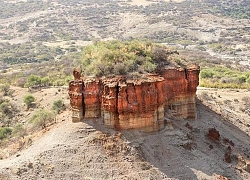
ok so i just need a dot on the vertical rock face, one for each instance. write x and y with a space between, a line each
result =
77 100
91 98
136 104
109 100
140 104
180 89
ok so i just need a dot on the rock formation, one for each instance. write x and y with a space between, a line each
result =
135 104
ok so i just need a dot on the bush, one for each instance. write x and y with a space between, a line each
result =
59 82
222 77
124 57
6 112
28 100
45 81
5 89
41 118
242 78
248 80
33 80
5 108
206 73
5 132
58 106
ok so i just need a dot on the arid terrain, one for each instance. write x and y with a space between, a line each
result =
211 26
182 150
42 41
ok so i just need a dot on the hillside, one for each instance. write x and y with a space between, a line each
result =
42 41
182 150
34 27
48 37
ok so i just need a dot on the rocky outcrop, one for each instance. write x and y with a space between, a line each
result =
135 104
76 90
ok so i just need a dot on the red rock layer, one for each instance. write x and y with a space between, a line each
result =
109 104
180 89
76 100
91 98
141 104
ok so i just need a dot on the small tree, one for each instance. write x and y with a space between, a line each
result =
5 107
5 132
28 100
5 89
45 81
42 118
58 106
33 80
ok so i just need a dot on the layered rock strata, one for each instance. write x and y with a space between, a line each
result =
135 104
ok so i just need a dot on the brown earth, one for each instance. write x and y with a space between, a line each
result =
89 150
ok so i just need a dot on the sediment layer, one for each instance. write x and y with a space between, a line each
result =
136 104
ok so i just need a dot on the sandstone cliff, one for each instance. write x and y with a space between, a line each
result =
135 104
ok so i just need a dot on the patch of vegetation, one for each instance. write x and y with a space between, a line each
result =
33 80
238 9
6 111
5 89
218 47
10 9
26 53
124 57
58 106
5 132
222 77
28 100
42 118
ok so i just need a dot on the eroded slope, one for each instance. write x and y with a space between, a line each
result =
91 151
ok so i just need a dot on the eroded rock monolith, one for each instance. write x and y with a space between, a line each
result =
123 103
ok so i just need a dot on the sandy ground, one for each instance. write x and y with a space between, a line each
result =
89 150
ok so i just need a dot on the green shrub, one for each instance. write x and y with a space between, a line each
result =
222 77
206 73
33 80
248 80
28 100
123 57
59 82
58 106
5 108
242 78
5 89
5 132
6 112
45 81
42 118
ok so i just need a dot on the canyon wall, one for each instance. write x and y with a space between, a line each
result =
135 104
